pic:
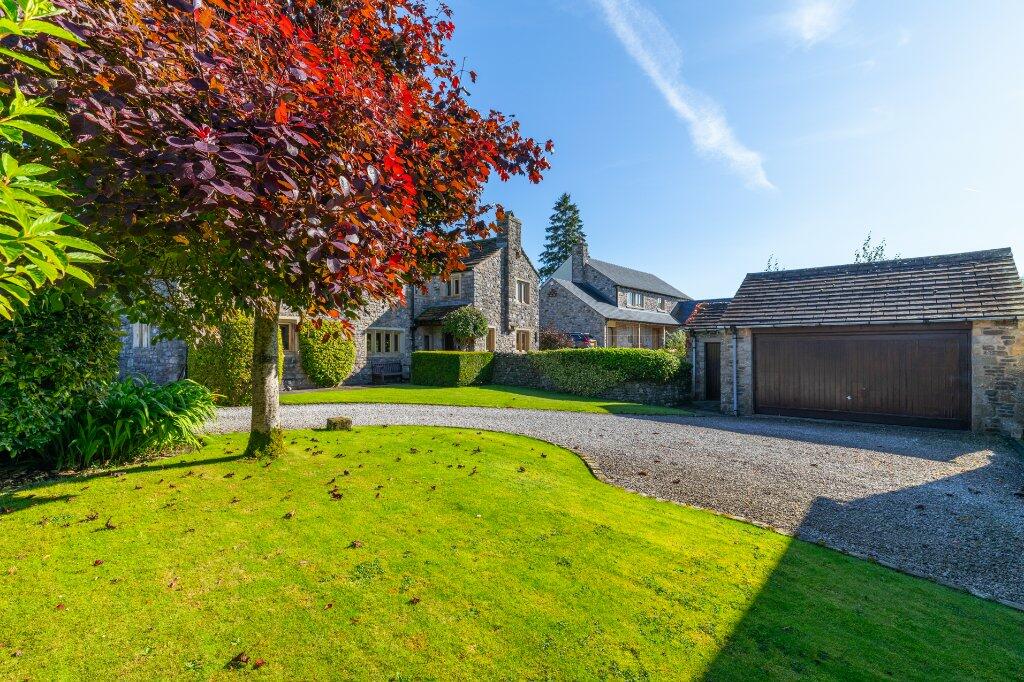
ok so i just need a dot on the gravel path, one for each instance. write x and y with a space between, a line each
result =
944 505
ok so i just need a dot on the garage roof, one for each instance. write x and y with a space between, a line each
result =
703 315
963 286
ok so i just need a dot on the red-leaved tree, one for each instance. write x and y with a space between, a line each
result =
244 154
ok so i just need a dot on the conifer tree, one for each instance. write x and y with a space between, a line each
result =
565 230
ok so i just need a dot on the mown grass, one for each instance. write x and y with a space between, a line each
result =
475 396
444 554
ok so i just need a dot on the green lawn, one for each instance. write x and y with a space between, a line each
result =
447 553
474 396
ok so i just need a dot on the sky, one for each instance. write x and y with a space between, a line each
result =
700 138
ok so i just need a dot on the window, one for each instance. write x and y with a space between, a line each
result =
522 340
454 286
142 335
522 291
636 299
380 342
490 339
662 304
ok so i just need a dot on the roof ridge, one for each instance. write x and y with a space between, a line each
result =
941 259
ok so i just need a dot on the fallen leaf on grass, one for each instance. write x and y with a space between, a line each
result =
290 514
414 601
60 607
239 660
258 663
98 562
230 474
328 607
109 526
356 544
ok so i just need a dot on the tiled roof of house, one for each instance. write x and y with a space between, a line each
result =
436 313
702 315
963 286
479 249
635 279
613 312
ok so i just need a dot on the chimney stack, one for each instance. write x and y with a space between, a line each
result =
580 258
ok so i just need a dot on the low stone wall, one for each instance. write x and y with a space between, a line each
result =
516 369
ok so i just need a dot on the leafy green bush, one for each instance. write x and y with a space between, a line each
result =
137 418
224 365
328 354
451 368
592 371
465 324
677 342
56 357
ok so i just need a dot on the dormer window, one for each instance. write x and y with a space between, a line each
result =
636 299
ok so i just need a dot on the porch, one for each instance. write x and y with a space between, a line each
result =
619 334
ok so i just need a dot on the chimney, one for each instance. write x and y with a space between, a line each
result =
580 258
512 230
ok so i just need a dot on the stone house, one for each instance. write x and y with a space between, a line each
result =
935 341
704 338
499 279
618 306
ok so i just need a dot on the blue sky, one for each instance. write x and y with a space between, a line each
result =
700 137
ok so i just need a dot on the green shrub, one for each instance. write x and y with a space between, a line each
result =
592 371
465 324
451 368
56 357
328 354
677 342
137 418
224 365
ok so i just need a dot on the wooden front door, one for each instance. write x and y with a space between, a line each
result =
449 342
912 375
713 371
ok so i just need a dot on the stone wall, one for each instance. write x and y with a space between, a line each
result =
516 369
699 359
744 371
997 377
380 316
654 302
562 310
161 362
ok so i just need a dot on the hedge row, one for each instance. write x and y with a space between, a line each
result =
592 371
450 368
224 365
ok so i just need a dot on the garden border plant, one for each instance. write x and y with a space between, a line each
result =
451 368
326 351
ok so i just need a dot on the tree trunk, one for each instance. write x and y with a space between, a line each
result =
265 437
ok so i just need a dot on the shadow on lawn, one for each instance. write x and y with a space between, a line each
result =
808 618
26 501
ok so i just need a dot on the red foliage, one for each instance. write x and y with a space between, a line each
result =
321 151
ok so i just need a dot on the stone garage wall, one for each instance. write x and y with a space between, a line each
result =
997 377
744 372
516 369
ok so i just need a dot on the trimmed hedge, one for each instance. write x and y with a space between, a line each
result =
56 358
327 354
224 365
592 371
451 368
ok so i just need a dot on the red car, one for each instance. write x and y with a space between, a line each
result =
582 340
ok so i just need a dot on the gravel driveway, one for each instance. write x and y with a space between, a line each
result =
948 506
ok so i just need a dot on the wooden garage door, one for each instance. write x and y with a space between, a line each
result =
917 376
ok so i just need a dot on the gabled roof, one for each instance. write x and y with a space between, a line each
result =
613 312
635 279
957 287
703 315
480 249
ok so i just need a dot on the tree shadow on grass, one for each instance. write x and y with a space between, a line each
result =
825 614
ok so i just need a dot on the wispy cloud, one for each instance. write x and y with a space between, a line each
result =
651 45
812 21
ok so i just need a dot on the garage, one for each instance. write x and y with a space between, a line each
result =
915 376
935 341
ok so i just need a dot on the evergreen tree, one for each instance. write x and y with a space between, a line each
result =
565 230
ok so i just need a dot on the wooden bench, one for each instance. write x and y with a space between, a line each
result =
381 371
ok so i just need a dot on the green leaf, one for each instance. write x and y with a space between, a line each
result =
25 59
37 130
31 170
10 8
37 26
10 164
76 243
80 274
